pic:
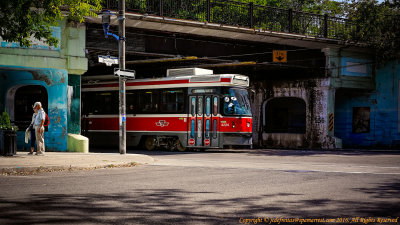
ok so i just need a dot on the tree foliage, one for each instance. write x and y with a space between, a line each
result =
378 24
330 7
21 19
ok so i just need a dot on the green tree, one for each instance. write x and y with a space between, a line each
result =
330 7
378 24
21 19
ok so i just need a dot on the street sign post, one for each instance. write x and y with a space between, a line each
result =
125 74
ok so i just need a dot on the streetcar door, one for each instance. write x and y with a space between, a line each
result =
203 121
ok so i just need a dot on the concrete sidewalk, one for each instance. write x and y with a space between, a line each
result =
24 164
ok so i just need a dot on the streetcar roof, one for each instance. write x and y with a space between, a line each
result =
212 80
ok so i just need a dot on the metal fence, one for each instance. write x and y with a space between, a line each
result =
244 15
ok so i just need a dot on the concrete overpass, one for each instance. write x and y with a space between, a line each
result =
293 102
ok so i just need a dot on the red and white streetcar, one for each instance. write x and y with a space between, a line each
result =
190 108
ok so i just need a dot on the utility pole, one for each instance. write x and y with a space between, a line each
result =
122 89
121 72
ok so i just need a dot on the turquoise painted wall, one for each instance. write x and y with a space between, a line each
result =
55 81
384 111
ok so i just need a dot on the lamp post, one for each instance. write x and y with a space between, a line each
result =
106 14
105 19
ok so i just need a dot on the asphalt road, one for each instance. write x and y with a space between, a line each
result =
230 187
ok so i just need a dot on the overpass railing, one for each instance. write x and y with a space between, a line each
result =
244 15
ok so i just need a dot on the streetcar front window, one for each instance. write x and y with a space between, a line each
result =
236 102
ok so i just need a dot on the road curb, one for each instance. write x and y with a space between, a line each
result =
23 171
29 165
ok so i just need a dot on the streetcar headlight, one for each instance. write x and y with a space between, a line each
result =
248 124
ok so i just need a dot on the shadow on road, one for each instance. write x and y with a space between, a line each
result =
175 206
255 152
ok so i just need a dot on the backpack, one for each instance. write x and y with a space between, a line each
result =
46 121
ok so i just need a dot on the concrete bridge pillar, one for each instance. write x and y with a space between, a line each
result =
320 115
257 98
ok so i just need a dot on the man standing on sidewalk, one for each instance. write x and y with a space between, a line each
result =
39 128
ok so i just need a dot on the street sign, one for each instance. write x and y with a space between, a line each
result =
127 74
279 56
108 60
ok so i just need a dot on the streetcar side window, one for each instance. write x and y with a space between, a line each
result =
148 101
131 102
86 103
172 101
108 103
100 103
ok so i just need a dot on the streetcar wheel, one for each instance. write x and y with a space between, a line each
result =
150 143
179 146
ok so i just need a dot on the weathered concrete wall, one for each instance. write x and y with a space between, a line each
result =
318 97
49 67
69 55
55 81
384 111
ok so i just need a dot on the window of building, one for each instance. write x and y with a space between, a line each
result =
285 115
361 119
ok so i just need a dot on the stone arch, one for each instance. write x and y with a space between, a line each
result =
20 99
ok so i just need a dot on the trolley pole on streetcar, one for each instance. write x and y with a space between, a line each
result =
122 91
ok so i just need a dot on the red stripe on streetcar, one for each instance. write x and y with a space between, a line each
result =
141 124
170 124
